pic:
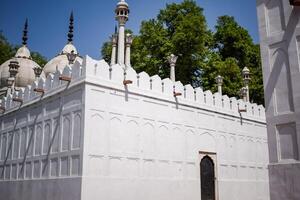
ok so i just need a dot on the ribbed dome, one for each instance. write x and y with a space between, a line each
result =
122 3
23 52
25 73
61 61
69 48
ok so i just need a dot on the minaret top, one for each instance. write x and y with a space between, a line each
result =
122 12
71 27
25 31
122 2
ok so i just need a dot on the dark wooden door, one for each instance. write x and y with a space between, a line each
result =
207 173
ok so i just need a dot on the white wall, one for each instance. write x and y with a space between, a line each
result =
142 143
139 141
41 145
279 29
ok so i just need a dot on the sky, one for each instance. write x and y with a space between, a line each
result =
94 20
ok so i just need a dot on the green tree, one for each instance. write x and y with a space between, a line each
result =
233 41
180 29
38 58
7 51
229 70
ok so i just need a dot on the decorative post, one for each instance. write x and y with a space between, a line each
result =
172 59
114 41
37 72
243 93
71 57
122 12
13 70
129 40
246 79
219 81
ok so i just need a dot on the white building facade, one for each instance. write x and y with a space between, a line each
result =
279 28
96 138
88 130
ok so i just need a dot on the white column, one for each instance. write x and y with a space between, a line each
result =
121 44
128 51
172 61
220 89
219 81
243 93
247 95
172 72
127 57
114 49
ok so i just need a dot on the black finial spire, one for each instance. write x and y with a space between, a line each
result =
25 31
71 27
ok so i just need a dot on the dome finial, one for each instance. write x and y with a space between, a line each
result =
71 27
25 31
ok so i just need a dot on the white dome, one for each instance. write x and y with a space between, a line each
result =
23 52
122 3
25 73
69 48
61 61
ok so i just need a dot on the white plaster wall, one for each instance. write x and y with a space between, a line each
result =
142 143
136 141
279 29
41 148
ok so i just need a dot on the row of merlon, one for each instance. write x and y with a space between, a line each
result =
120 75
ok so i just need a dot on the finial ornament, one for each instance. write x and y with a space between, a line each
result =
37 71
243 93
128 39
219 81
71 27
13 68
172 59
122 13
71 57
246 79
25 31
128 42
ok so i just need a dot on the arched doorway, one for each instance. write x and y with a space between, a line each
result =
207 174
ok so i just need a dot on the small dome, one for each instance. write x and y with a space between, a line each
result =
61 61
122 3
25 75
69 48
23 52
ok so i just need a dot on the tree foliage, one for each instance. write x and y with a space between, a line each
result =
7 51
233 41
181 29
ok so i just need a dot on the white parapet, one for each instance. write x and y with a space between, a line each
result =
140 139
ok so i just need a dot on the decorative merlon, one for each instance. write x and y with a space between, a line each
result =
140 83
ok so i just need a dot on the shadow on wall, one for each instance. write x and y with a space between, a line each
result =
273 78
30 142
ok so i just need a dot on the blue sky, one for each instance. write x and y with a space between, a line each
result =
94 20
